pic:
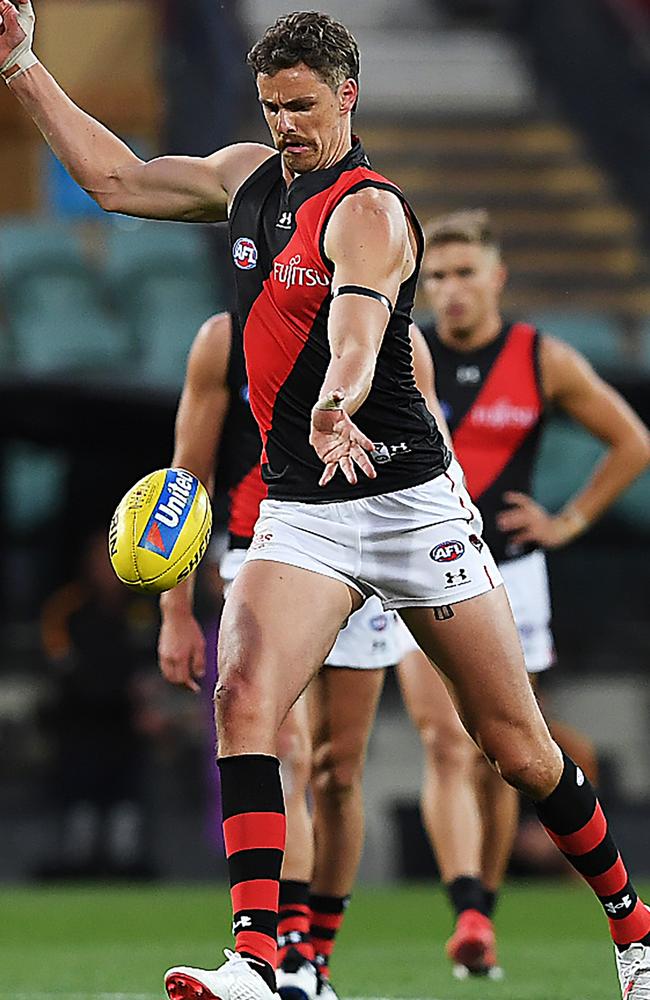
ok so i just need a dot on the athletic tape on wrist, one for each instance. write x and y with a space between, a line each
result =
19 66
21 58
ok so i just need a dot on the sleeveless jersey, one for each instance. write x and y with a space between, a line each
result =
492 399
284 293
238 469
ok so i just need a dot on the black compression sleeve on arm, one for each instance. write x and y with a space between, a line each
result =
370 293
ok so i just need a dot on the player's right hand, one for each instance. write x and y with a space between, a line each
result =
181 650
17 22
338 442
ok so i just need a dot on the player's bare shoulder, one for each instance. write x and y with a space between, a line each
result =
235 164
371 221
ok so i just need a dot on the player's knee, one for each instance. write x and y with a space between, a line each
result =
337 772
531 766
448 749
294 751
239 703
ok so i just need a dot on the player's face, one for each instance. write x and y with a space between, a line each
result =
308 120
463 284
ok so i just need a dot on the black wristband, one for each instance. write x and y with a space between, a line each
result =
370 293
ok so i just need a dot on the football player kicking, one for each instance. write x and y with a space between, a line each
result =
327 255
214 420
496 382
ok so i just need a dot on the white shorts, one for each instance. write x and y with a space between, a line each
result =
417 547
526 581
371 640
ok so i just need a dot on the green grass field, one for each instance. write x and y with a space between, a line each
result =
108 943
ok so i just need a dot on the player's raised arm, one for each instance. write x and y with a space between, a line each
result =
570 383
171 187
199 423
368 242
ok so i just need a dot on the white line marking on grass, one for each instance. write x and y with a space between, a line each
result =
62 995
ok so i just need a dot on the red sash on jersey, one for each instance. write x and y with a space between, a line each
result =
505 411
245 500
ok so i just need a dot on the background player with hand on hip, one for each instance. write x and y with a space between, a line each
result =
496 381
325 295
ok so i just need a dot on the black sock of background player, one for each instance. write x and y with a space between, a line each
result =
467 893
491 897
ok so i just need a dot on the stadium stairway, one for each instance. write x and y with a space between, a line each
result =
569 241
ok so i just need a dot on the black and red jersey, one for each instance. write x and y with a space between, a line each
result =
238 469
494 405
284 294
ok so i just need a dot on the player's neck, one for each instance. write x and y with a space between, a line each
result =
471 338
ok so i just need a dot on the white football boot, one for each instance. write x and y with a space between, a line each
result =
296 977
325 990
234 980
633 966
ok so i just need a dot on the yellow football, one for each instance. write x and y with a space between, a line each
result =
160 530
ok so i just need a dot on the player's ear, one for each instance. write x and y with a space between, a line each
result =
347 95
501 276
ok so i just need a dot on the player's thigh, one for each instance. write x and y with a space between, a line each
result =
430 704
278 625
342 708
479 650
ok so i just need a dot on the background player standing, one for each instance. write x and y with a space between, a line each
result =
496 381
326 317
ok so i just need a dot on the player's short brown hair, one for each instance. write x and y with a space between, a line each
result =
470 226
312 38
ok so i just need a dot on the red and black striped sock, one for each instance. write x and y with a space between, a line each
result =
294 918
327 914
254 830
575 822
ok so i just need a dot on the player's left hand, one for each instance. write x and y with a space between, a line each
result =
337 440
525 520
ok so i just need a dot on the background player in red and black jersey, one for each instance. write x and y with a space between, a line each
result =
496 381
318 554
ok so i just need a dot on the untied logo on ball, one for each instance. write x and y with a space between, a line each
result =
170 513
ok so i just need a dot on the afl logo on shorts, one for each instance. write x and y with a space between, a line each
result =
447 551
244 253
379 623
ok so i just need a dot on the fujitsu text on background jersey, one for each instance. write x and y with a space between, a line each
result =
284 294
493 403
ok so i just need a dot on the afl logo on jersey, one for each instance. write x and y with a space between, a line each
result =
447 551
244 253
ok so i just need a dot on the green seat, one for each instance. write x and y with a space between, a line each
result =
136 247
567 457
33 485
28 246
61 322
595 335
167 313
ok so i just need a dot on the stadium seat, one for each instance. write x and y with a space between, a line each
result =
566 458
167 312
644 347
30 246
33 485
61 322
595 335
135 248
